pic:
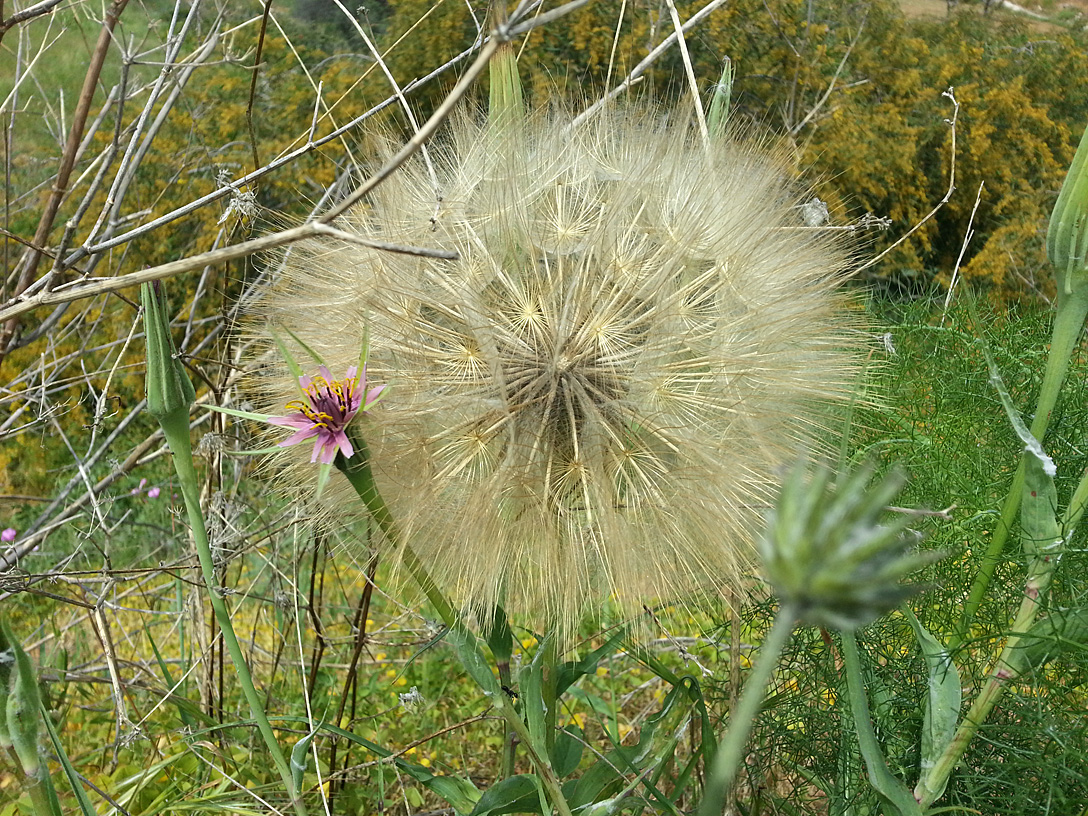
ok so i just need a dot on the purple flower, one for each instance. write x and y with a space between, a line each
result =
153 493
8 535
328 407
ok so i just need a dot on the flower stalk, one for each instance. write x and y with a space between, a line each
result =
1066 245
170 395
731 749
1011 662
358 472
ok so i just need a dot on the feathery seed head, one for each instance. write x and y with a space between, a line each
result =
594 399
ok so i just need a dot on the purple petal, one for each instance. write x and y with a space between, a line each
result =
374 393
299 436
344 444
329 449
294 421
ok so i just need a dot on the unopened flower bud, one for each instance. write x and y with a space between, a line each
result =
826 553
1067 236
169 390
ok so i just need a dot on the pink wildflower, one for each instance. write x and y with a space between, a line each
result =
8 535
328 407
153 493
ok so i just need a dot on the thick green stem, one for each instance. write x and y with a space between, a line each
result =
1004 670
358 471
1068 323
177 437
543 767
39 787
551 702
730 753
1008 666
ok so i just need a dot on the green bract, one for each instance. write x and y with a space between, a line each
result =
169 391
826 552
1067 238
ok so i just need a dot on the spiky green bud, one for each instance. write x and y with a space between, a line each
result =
170 393
827 553
1067 237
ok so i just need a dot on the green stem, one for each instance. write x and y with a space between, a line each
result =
358 471
1004 670
1068 322
876 766
730 753
177 437
1007 667
39 786
551 702
543 767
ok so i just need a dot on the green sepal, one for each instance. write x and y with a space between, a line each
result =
170 392
506 103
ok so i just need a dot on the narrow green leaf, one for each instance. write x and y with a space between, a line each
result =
572 671
499 637
892 791
188 711
467 647
531 690
74 780
943 698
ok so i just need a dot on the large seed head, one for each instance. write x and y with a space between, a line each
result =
595 398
